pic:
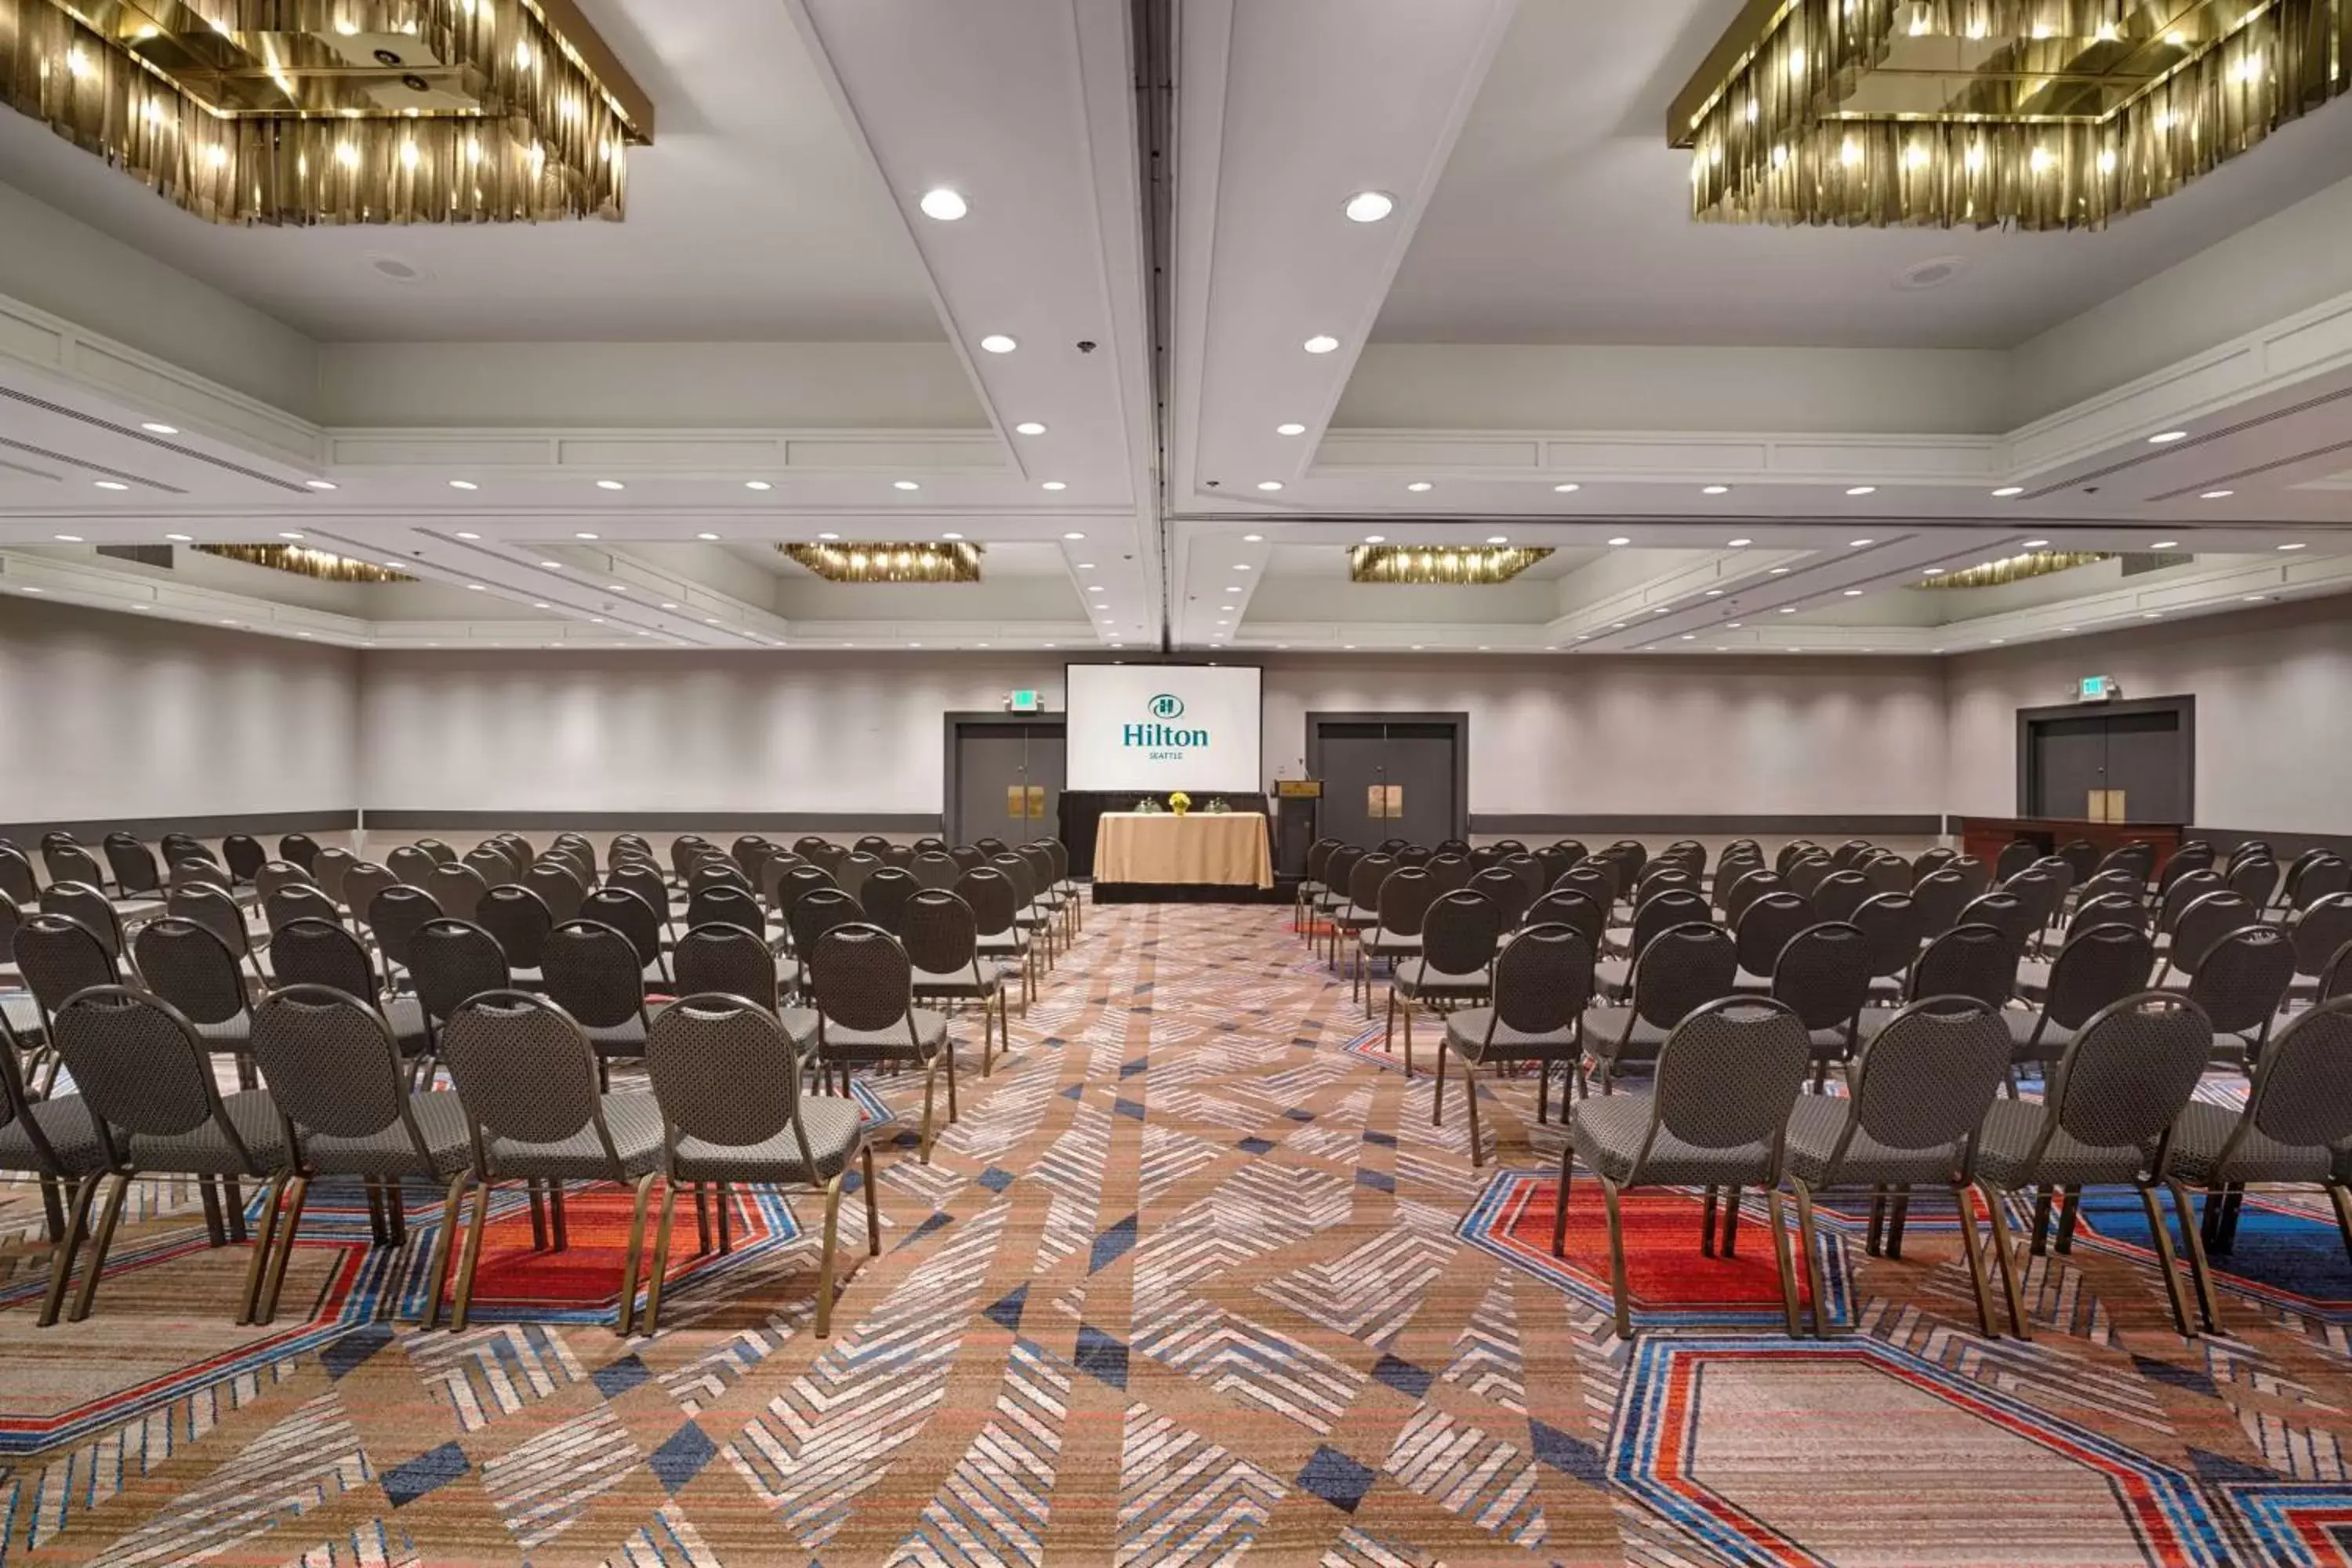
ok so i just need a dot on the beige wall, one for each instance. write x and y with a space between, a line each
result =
112 716
2273 689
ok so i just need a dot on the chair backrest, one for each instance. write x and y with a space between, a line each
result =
140 1066
83 901
2302 1094
729 960
821 909
517 921
2004 911
1823 973
939 932
1596 879
2124 1079
333 1066
1941 895
1768 924
630 915
1975 873
328 868
989 895
2015 857
1926 1079
1341 867
440 853
888 890
2248 849
452 960
686 850
1807 872
1451 872
299 847
1842 892
1543 980
394 915
861 979
244 855
1663 876
1892 925
1530 873
1793 851
411 864
2110 909
1664 909
2081 856
854 868
2098 968
2180 891
17 881
311 951
1318 854
2040 890
362 880
2319 932
1574 910
2335 980
1365 877
642 880
1727 1077
935 870
69 862
1507 892
559 887
134 863
2257 878
1459 933
190 967
2241 980
297 901
1886 872
724 903
1682 968
1977 961
797 883
1850 853
715 870
1736 898
2319 875
459 889
967 855
58 955
724 1073
1404 898
588 970
1930 861
214 910
523 1071
2205 922
1016 871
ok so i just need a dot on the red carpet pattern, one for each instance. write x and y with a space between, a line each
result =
1193 1280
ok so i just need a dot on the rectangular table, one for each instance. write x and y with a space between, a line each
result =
1226 849
1986 836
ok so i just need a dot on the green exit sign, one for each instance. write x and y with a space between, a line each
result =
2098 689
1024 702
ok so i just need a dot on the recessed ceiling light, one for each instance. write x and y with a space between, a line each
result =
1858 543
1320 343
179 538
1715 593
2007 491
2256 598
2290 547
1369 207
1733 626
616 588
1269 484
2069 628
610 485
1853 593
2034 544
1690 636
1029 427
1714 489
1662 609
1741 543
583 536
828 536
1054 485
1932 572
758 485
67 538
110 484
1376 539
320 484
998 343
2166 437
539 603
1418 485
2166 544
666 605
1097 588
463 485
1498 539
595 620
162 429
1073 537
1862 490
1620 539
290 536
905 485
1788 609
710 620
951 537
707 536
1253 538
1240 566
2153 616
1566 489
36 590
461 536
944 204
475 587
1780 571
1998 641
1291 429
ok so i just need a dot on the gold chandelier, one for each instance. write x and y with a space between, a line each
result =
305 562
1425 566
2029 114
301 111
2015 569
889 563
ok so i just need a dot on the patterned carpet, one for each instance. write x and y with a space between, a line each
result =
1193 1281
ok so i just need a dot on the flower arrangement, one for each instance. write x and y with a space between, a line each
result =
1180 803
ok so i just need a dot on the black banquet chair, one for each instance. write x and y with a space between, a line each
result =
1543 978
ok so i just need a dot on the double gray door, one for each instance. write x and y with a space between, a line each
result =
2080 764
1008 782
1385 779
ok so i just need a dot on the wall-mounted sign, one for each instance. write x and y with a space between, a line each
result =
2098 689
1024 702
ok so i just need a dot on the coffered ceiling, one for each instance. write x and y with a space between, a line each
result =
1734 440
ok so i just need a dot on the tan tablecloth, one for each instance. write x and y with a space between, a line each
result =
1228 849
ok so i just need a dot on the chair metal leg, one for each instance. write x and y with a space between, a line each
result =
100 1239
930 1086
472 1259
233 1207
701 1219
215 1231
987 1036
1898 1211
825 1262
62 1258
1408 1043
538 1215
53 1209
723 1200
651 1322
1877 1220
1617 1258
1707 1222
445 1243
297 1192
1808 1245
2069 1211
2004 1254
264 1245
1972 1251
2162 1239
1437 1098
872 1200
951 1084
1731 1221
633 1269
1559 1206
1780 1262
1470 1093
2208 1307
2342 1200
557 1233
2041 1245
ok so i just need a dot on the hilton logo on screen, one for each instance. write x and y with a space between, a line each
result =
1164 740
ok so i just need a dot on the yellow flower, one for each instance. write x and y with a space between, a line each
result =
1179 802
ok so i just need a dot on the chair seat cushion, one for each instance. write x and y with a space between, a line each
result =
1886 990
406 1017
2033 978
72 1137
233 1034
980 979
1604 1028
1814 1126
834 1129
2199 1136
1417 979
204 1152
1608 1130
2004 1153
1390 943
1467 1031
1004 945
624 1039
636 1123
24 1016
2055 1036
927 1039
440 1118
1613 978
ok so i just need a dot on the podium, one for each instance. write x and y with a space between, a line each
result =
1297 813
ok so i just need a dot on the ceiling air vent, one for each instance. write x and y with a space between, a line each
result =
2135 564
